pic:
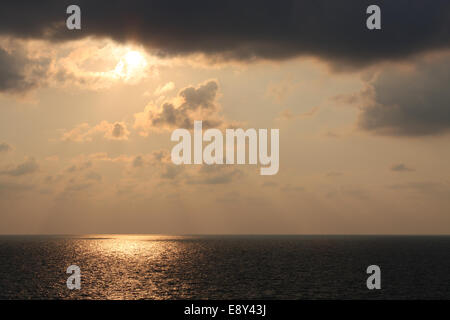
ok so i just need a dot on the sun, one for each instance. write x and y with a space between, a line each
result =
134 59
131 65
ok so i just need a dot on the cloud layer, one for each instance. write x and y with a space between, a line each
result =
27 167
85 133
245 30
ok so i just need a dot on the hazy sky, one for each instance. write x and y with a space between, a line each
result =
364 116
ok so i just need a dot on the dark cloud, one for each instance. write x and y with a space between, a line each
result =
245 30
19 74
411 101
27 167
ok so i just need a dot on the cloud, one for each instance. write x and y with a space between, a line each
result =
138 162
156 157
352 191
214 174
160 161
288 115
12 189
93 176
171 171
432 188
27 167
79 167
169 86
4 147
245 30
118 132
280 91
334 174
90 64
192 103
401 168
18 73
409 101
269 184
75 187
289 188
85 133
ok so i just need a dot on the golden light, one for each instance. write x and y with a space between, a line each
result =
131 65
134 59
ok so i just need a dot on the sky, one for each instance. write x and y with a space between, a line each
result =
86 116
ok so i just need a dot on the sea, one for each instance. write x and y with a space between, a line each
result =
272 267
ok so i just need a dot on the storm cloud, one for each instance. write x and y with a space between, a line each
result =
245 30
412 101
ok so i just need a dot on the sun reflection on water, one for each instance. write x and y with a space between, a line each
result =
132 266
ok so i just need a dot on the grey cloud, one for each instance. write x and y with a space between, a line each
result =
229 197
215 174
75 187
155 158
171 172
245 30
196 103
410 102
288 115
401 168
79 167
289 188
138 162
431 188
93 176
334 174
352 191
118 130
19 74
270 184
160 155
4 147
27 167
9 188
201 98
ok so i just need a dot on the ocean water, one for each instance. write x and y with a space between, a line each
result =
224 267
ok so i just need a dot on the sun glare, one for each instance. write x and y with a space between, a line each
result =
131 65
